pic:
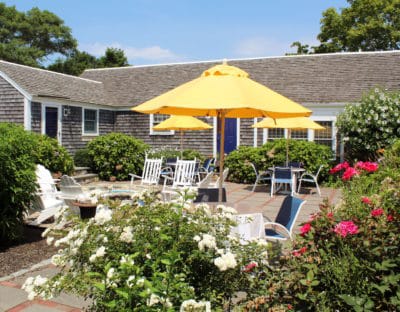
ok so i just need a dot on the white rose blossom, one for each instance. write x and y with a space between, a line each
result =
208 241
103 215
226 261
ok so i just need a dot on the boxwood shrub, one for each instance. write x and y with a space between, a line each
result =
272 154
17 178
117 155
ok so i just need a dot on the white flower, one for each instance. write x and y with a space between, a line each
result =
103 215
140 282
226 261
193 305
101 251
208 241
129 281
92 258
197 238
49 240
40 281
110 273
154 299
127 235
148 256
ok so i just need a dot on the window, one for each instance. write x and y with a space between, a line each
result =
274 134
90 121
299 134
155 119
324 136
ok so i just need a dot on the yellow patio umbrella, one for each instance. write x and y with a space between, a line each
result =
182 123
226 92
288 123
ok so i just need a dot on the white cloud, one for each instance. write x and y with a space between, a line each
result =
153 53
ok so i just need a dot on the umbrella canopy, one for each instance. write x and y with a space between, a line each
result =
182 123
226 92
288 123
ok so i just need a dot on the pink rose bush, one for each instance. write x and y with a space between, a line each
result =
345 228
358 168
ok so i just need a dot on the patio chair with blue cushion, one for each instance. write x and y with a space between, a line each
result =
282 175
282 227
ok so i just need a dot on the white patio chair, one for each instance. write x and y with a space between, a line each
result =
224 176
311 178
184 176
205 183
151 172
260 176
282 176
47 200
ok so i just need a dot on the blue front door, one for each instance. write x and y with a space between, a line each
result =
230 135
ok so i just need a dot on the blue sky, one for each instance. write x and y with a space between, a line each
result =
169 31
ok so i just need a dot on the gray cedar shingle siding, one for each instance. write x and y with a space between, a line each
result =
72 130
11 103
106 121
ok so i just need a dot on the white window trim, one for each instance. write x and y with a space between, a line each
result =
83 122
152 132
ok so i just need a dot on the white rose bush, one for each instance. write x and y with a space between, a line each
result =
372 125
151 256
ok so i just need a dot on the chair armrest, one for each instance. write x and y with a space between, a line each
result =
133 176
305 174
165 179
279 228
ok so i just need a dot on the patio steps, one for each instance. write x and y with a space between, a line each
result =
82 175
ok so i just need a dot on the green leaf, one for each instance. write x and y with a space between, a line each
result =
166 261
122 293
310 275
100 286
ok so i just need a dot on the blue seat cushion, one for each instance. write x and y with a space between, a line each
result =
272 233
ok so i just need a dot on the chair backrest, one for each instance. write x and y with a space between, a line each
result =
151 170
296 164
224 176
318 171
289 211
206 181
208 164
282 173
45 180
184 173
69 186
254 168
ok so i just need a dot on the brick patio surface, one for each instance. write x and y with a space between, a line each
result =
239 196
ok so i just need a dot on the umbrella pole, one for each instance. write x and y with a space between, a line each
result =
221 155
287 147
181 144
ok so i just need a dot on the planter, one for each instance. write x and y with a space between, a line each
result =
87 210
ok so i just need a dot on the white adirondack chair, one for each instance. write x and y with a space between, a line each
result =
151 172
47 199
184 176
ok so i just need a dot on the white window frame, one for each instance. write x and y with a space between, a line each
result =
155 132
83 122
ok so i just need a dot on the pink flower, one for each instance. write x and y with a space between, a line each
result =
299 252
349 173
377 212
389 218
345 227
366 200
330 215
339 167
305 229
250 266
367 166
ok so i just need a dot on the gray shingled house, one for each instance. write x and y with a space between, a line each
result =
76 109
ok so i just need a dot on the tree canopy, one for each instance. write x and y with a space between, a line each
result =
367 25
29 38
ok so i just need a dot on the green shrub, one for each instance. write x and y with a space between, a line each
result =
152 256
82 158
172 153
372 125
17 178
117 155
274 154
52 155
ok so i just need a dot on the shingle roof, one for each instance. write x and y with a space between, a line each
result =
318 78
39 82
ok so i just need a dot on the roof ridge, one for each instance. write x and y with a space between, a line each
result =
51 72
245 59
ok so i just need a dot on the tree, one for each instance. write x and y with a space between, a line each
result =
367 25
113 58
29 38
301 49
75 64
